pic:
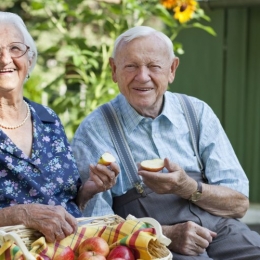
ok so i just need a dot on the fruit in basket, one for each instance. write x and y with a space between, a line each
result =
97 257
153 165
97 245
118 258
90 255
67 253
122 252
86 255
106 159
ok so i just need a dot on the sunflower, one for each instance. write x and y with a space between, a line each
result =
169 4
185 10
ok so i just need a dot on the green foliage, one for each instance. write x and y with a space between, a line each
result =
75 40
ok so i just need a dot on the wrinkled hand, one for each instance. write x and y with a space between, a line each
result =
103 176
101 179
54 222
176 181
188 238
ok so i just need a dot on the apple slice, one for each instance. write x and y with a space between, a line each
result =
153 165
106 159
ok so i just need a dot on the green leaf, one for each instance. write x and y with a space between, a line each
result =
208 29
75 40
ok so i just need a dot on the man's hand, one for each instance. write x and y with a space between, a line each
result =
176 181
101 179
54 222
104 176
188 238
218 200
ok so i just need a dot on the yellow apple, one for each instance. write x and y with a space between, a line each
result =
153 165
106 159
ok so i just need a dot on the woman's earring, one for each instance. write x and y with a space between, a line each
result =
28 76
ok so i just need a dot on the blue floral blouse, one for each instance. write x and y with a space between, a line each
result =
50 176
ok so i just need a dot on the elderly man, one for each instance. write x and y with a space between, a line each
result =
198 214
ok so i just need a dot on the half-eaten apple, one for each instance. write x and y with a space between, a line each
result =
153 165
106 159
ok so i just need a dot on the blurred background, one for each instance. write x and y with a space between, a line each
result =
217 42
224 71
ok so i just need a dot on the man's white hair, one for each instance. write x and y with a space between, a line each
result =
142 31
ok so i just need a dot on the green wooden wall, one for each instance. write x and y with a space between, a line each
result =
224 71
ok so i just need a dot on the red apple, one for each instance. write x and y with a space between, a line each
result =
153 165
97 257
118 258
86 255
123 252
95 244
90 255
67 253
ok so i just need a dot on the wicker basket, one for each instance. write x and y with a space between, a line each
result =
24 237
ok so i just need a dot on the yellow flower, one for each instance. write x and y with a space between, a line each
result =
184 10
169 4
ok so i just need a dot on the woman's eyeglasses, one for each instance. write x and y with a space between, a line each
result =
15 49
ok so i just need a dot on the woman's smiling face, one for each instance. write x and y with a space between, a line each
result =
13 71
143 69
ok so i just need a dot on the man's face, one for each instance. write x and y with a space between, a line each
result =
142 68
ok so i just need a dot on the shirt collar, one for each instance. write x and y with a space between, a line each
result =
171 110
41 111
130 117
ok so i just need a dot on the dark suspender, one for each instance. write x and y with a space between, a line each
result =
121 146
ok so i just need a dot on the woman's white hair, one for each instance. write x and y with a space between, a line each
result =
142 31
16 20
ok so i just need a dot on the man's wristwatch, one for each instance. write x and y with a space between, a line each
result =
195 196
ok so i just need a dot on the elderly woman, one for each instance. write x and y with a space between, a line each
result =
39 181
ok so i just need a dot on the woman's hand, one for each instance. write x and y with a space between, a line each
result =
54 222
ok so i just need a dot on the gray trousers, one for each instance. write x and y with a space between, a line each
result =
235 241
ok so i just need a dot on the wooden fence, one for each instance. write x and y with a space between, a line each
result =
224 71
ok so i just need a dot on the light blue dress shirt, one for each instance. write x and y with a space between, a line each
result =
165 136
